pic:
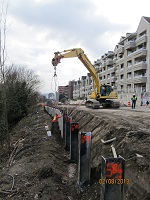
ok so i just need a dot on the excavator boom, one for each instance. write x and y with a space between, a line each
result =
102 93
78 52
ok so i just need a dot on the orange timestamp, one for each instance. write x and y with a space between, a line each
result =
111 181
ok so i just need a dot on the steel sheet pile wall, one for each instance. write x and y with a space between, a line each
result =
79 150
79 144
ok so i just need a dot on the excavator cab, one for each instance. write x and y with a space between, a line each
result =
105 90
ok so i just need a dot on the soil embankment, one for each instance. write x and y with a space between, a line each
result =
132 131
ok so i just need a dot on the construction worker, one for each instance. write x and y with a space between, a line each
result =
147 102
134 99
55 121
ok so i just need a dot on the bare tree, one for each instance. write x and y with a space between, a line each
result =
3 27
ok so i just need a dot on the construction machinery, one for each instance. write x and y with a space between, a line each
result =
102 95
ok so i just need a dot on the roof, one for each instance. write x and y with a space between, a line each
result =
88 74
147 18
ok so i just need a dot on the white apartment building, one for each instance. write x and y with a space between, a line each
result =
127 68
83 87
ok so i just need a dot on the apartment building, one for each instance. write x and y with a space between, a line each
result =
70 89
61 90
127 68
133 62
83 87
66 91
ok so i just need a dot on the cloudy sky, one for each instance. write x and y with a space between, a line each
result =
38 28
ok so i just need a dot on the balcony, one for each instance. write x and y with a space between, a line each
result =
113 69
140 65
104 64
129 80
114 60
141 40
129 68
122 71
117 72
120 60
103 72
113 79
130 45
140 53
121 80
120 50
109 61
139 79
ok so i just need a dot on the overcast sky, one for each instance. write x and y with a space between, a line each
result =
38 28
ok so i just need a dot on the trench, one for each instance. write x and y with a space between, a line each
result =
72 170
130 140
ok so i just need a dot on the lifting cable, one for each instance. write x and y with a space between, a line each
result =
55 80
56 84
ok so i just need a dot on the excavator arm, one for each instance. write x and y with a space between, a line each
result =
78 52
102 94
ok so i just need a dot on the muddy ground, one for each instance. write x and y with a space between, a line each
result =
39 166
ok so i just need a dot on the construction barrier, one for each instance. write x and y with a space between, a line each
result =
129 104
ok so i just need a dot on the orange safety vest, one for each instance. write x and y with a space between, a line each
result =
56 117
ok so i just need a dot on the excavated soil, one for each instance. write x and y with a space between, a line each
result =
39 166
132 131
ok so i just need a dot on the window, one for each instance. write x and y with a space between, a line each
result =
129 88
129 63
122 66
129 75
121 77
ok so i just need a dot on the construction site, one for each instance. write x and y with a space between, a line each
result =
95 148
40 166
74 100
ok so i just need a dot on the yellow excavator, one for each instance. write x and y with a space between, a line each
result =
102 95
